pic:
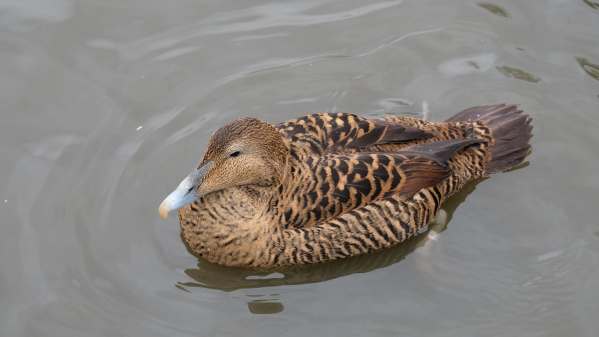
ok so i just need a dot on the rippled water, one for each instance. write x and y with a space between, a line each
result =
106 104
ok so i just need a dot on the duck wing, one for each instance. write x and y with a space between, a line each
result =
379 224
338 183
322 133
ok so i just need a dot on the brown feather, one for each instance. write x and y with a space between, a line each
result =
328 186
383 134
422 173
440 151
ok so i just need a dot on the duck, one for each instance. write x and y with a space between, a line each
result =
329 186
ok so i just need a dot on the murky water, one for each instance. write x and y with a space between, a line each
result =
106 104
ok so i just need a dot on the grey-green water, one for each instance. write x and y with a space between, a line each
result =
106 104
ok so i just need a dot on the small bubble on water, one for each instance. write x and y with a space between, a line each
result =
5 201
139 128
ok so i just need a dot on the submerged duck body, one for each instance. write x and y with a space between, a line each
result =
332 185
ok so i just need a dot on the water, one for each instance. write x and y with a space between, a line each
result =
107 104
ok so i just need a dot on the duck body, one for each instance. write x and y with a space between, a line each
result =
333 185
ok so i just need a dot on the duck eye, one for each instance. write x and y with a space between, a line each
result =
235 154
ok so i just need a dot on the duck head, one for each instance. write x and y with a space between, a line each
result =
246 151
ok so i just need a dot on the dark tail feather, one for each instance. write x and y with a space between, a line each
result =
511 130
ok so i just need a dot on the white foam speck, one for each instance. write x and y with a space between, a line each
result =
271 276
139 128
433 236
426 113
441 218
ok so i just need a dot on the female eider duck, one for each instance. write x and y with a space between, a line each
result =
333 185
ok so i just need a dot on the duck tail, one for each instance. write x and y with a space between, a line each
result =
511 131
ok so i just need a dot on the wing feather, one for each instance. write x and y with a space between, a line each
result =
342 132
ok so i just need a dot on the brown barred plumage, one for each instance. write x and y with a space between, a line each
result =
333 185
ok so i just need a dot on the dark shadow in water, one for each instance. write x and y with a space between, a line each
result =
495 9
590 68
265 307
518 74
208 275
592 4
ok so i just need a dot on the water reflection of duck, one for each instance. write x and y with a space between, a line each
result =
332 185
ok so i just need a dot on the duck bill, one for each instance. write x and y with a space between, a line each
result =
186 192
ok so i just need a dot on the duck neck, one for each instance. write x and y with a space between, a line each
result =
224 227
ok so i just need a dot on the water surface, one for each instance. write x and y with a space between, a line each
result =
107 104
